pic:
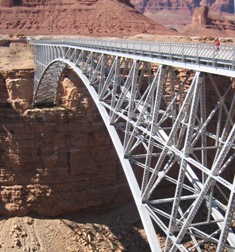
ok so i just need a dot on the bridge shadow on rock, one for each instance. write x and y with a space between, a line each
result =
116 230
119 229
115 225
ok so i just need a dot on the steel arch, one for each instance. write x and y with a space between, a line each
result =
168 134
49 83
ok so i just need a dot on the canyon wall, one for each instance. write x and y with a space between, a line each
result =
34 3
71 17
156 5
211 18
56 160
205 24
7 3
97 18
30 3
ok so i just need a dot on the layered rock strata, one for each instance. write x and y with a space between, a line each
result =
87 17
156 5
57 160
204 23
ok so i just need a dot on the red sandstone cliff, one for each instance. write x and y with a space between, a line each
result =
86 17
176 14
57 160
205 24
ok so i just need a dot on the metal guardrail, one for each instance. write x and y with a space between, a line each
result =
200 54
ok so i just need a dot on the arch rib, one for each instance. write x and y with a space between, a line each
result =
163 130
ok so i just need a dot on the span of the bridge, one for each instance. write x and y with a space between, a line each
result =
169 109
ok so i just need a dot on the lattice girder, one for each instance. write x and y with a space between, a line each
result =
176 135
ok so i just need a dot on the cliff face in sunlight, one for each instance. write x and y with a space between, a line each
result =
154 5
56 160
72 17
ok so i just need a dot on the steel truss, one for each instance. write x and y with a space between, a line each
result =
175 138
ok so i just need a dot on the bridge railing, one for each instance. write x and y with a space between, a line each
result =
200 53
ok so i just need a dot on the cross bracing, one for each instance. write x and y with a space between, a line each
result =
174 136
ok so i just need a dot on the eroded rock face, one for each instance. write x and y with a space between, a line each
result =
11 3
201 18
7 3
172 5
200 15
86 17
57 160
155 5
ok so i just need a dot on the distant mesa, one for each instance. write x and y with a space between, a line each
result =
76 17
177 14
204 23
28 3
131 17
201 16
145 6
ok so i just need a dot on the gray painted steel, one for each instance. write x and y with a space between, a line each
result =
174 137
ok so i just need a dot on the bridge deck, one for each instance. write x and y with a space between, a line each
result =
199 57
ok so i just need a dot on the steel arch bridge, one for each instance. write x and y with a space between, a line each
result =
175 137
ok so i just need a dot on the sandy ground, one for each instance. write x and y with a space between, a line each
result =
108 231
